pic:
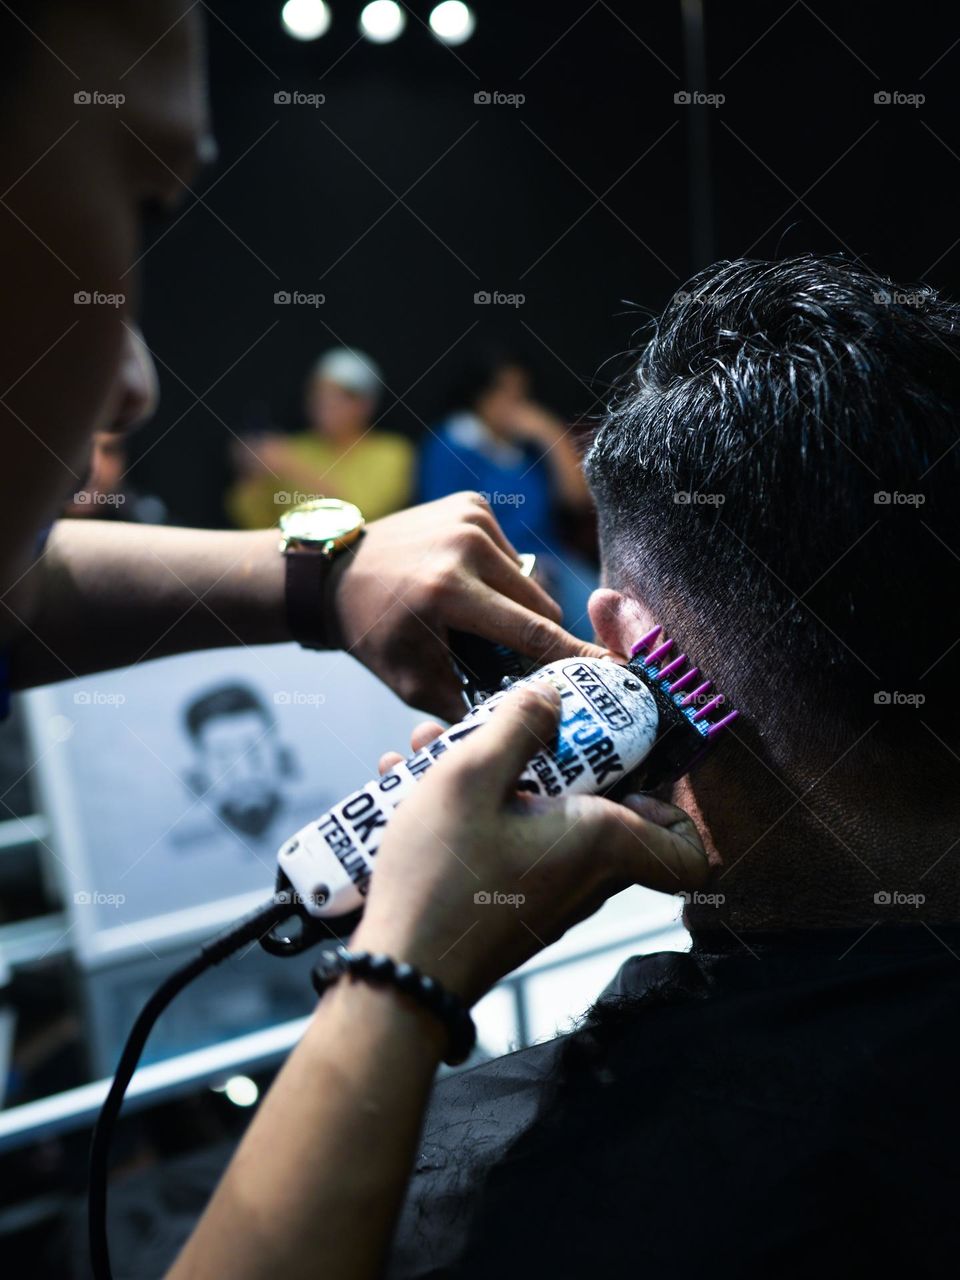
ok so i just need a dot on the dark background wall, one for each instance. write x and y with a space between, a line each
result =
401 197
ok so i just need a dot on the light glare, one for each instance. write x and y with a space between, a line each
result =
305 19
452 22
382 21
242 1091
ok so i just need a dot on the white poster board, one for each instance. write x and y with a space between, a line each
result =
170 785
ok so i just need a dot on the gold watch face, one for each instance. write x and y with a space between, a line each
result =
323 522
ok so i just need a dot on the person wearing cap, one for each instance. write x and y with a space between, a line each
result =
341 454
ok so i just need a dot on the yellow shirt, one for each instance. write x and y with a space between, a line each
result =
376 474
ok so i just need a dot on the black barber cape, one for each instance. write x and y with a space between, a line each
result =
772 1106
779 1105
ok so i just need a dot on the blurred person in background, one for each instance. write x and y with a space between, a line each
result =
341 454
525 461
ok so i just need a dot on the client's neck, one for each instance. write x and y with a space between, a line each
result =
794 848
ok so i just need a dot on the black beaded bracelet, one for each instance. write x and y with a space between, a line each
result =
427 992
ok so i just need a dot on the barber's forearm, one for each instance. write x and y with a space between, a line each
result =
315 1187
106 594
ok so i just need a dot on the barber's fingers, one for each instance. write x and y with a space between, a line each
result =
505 576
488 762
498 618
387 761
645 841
480 514
423 734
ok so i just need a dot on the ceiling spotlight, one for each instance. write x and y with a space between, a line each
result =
382 21
305 19
453 22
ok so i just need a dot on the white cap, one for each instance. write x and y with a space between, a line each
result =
350 369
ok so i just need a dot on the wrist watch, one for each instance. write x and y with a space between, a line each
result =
313 537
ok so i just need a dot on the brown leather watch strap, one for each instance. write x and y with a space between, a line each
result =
311 586
306 577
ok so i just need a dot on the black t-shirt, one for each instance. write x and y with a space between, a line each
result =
776 1105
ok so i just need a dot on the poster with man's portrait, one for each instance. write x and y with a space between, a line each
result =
171 785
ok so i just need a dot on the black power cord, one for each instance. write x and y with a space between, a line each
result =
251 929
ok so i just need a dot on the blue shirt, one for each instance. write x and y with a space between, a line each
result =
464 454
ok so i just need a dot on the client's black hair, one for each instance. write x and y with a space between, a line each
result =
778 478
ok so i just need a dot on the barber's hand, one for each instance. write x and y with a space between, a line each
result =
466 836
443 565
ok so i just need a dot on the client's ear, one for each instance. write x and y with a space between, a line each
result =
618 620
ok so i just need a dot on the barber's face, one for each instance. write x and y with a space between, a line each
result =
77 176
